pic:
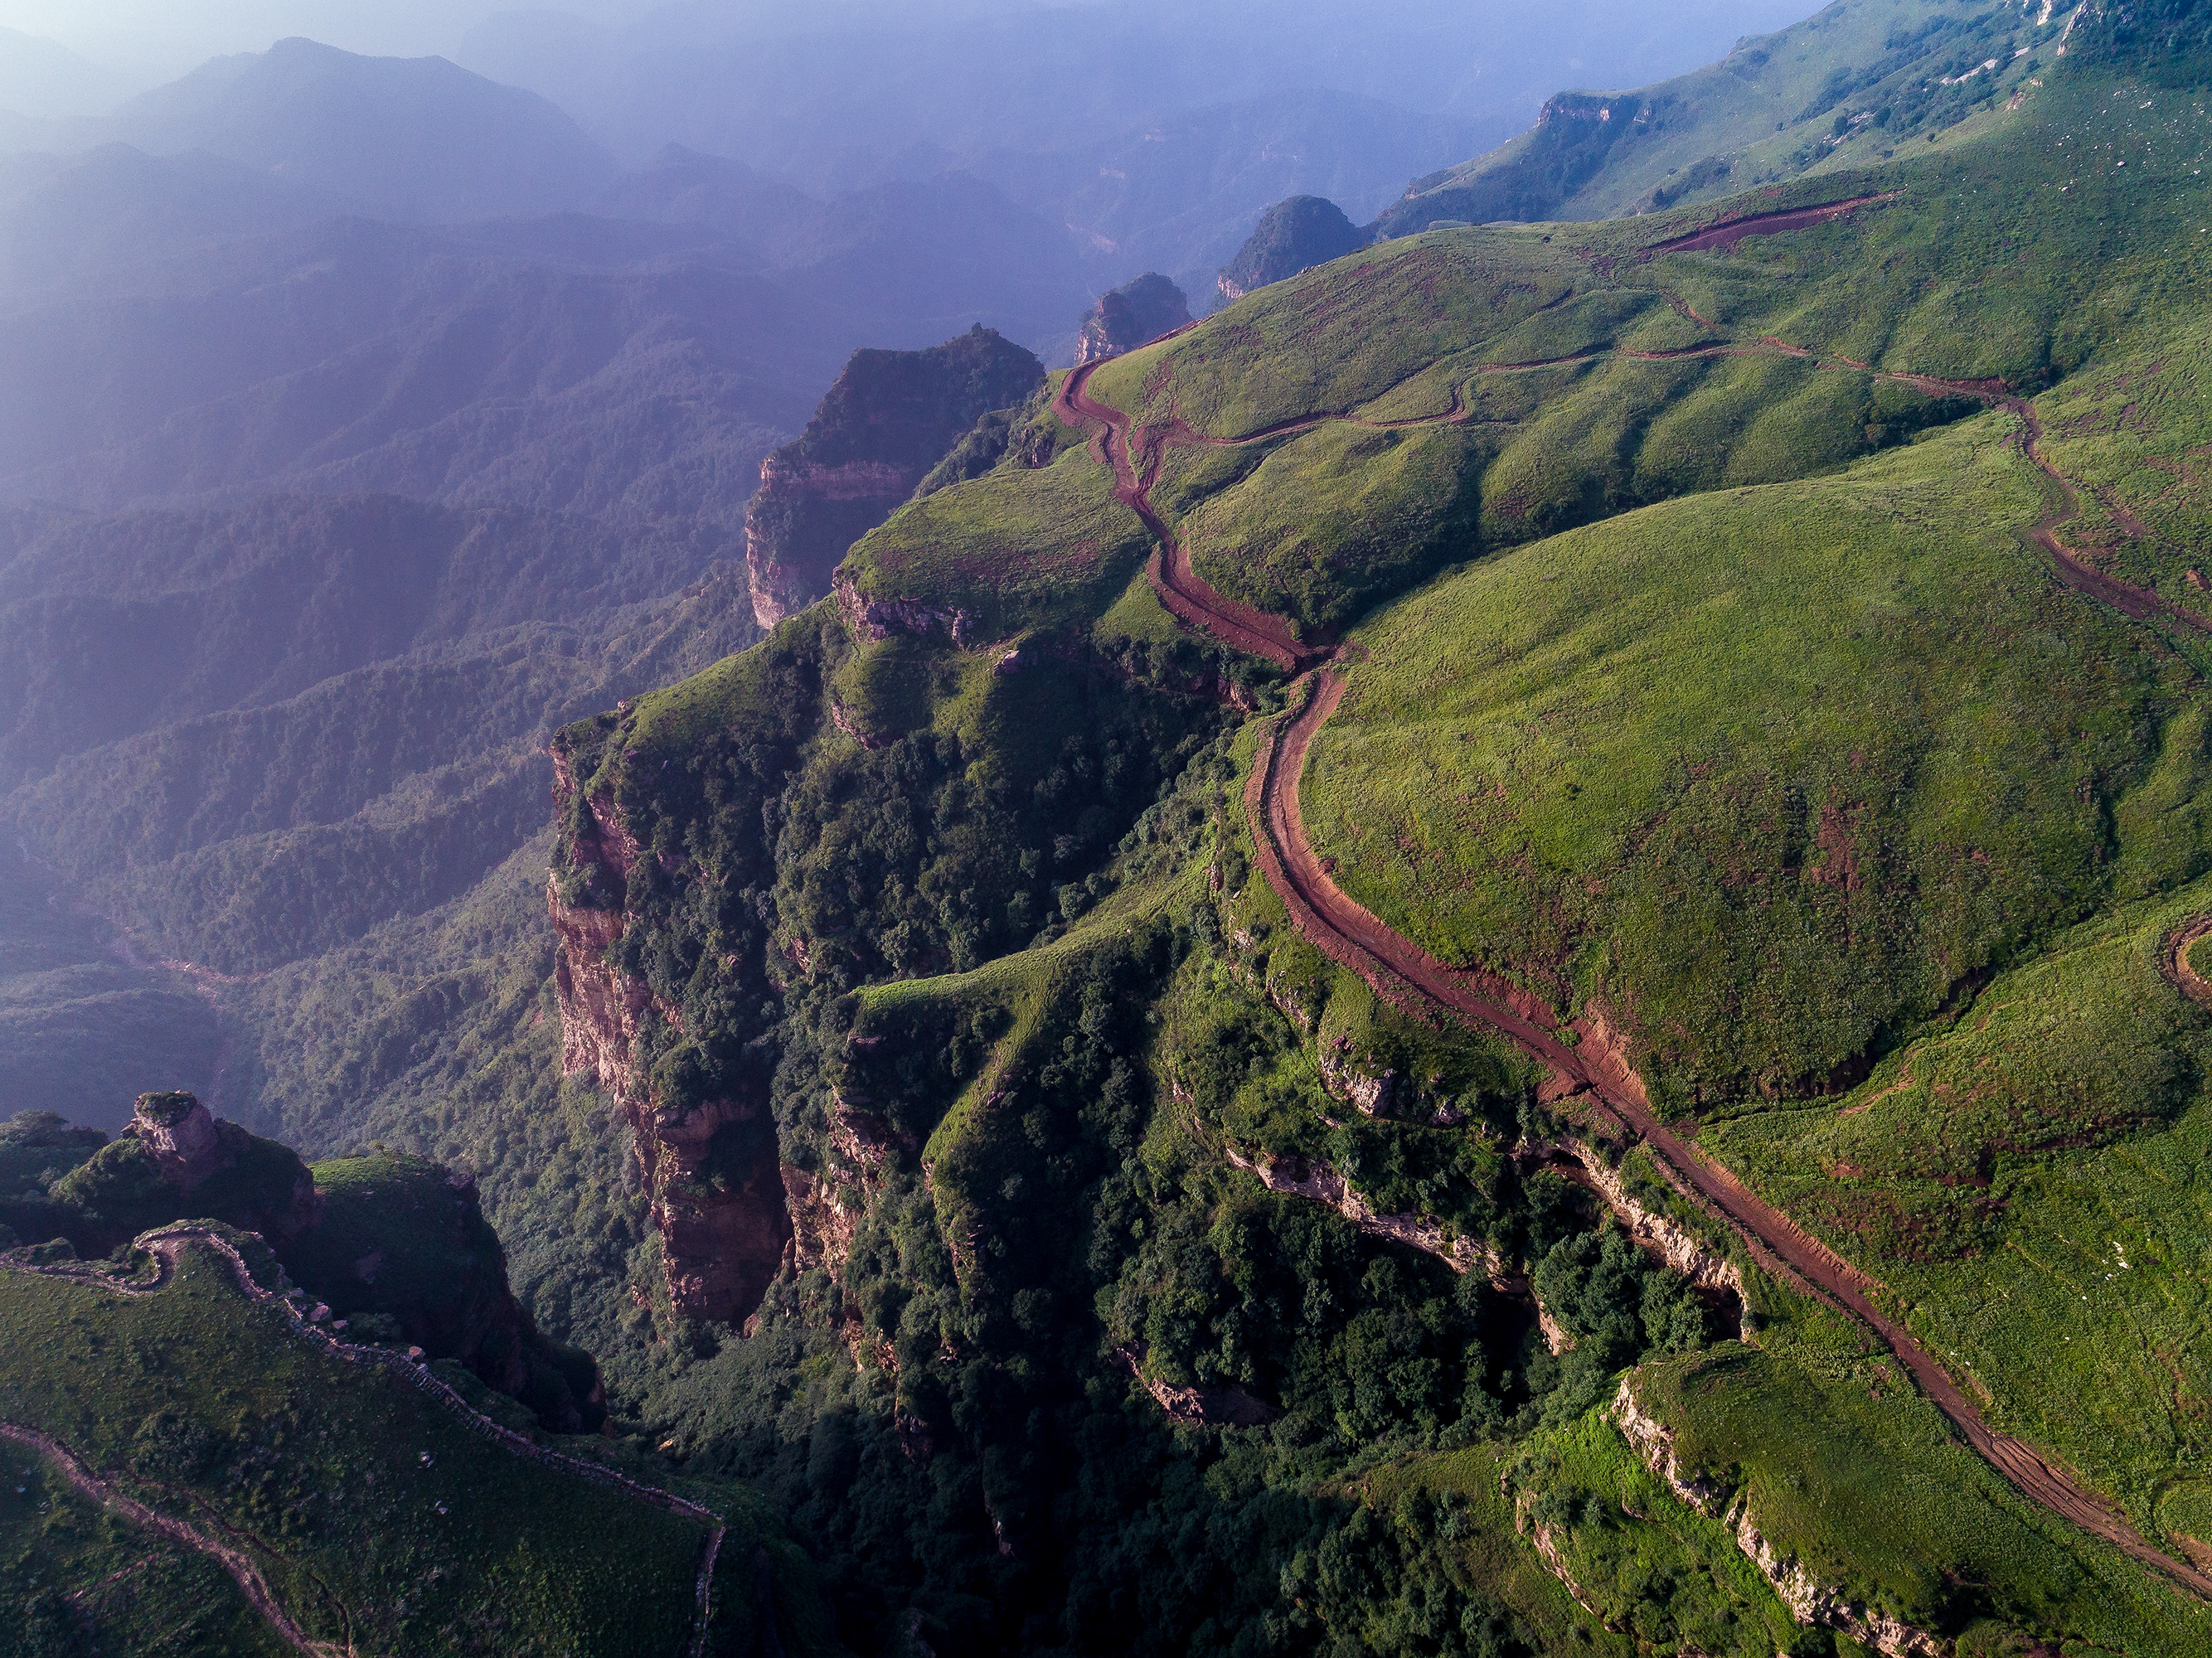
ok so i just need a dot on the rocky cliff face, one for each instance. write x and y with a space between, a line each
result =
710 1171
1292 236
1132 315
890 418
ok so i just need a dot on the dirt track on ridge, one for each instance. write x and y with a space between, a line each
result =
1591 1070
164 1245
1729 232
239 1569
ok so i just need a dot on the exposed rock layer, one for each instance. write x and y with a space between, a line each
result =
1131 315
1809 1601
889 417
1317 1181
724 1231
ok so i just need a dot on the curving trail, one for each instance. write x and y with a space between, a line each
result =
2139 603
240 1571
1729 232
1591 1070
1135 458
165 1244
2174 960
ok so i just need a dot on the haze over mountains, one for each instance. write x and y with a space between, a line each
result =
1146 830
567 306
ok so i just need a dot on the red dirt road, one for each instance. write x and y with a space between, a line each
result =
1729 232
1187 595
1408 977
240 1571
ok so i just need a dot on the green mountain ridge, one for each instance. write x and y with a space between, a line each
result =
1850 86
1755 648
1564 414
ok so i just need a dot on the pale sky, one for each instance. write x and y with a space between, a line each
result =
155 39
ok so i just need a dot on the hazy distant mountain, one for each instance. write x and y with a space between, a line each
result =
844 95
104 217
682 186
46 81
356 356
411 137
1181 194
210 711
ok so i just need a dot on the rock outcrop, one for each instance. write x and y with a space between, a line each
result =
1318 1183
1810 1602
713 1182
1678 1250
1293 235
1372 1093
890 418
1134 314
874 620
1198 1407
174 1160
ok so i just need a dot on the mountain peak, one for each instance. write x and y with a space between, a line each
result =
1295 234
415 137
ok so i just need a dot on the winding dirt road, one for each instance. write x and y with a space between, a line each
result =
240 1571
1729 232
1591 1070
165 1245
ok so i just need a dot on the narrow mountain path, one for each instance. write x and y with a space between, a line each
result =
2077 573
165 1245
1591 1070
239 1569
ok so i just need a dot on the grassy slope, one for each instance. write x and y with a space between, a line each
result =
1766 112
1773 768
1858 1478
2001 259
375 1513
1844 1468
2029 1182
74 1577
1497 658
1615 696
1014 548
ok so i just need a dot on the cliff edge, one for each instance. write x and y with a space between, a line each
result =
889 417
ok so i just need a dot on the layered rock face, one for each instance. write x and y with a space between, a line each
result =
889 419
710 1171
1132 315
1295 234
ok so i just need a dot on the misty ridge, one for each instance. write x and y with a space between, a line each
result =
1105 828
525 299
